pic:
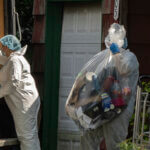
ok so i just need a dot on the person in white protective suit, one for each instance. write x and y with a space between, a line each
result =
116 130
20 92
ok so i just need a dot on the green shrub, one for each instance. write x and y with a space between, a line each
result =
128 145
146 87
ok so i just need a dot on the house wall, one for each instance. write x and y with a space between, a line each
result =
38 46
1 18
38 42
139 32
107 18
39 56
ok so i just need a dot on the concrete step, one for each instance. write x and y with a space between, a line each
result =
8 142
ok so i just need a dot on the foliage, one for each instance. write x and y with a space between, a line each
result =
24 9
146 87
128 145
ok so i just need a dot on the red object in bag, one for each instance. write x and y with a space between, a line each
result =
108 83
117 98
118 102
103 145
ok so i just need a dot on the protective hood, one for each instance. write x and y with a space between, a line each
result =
20 52
116 34
11 42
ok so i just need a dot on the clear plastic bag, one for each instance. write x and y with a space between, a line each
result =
103 88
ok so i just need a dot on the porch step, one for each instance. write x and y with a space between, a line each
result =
8 142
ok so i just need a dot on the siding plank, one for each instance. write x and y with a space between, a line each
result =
38 35
106 6
38 57
39 7
1 18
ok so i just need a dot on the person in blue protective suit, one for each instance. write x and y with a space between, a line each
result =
116 130
20 92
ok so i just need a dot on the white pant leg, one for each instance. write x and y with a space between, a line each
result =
26 125
29 142
91 139
116 131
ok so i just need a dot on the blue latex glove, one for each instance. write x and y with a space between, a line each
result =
114 48
125 43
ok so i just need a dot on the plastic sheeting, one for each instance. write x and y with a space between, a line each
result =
104 87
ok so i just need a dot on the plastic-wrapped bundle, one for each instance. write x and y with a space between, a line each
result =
103 87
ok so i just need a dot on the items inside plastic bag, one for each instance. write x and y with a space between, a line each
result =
102 89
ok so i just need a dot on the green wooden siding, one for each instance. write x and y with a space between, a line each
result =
53 39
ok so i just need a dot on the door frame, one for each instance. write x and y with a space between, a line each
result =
1 18
54 18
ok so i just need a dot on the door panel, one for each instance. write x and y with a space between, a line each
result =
81 39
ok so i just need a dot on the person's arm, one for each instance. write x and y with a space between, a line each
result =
14 73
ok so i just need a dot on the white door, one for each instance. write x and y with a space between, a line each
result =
81 39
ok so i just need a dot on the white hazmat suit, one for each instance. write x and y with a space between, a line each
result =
116 131
21 95
125 62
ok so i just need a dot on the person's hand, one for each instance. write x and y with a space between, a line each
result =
114 48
